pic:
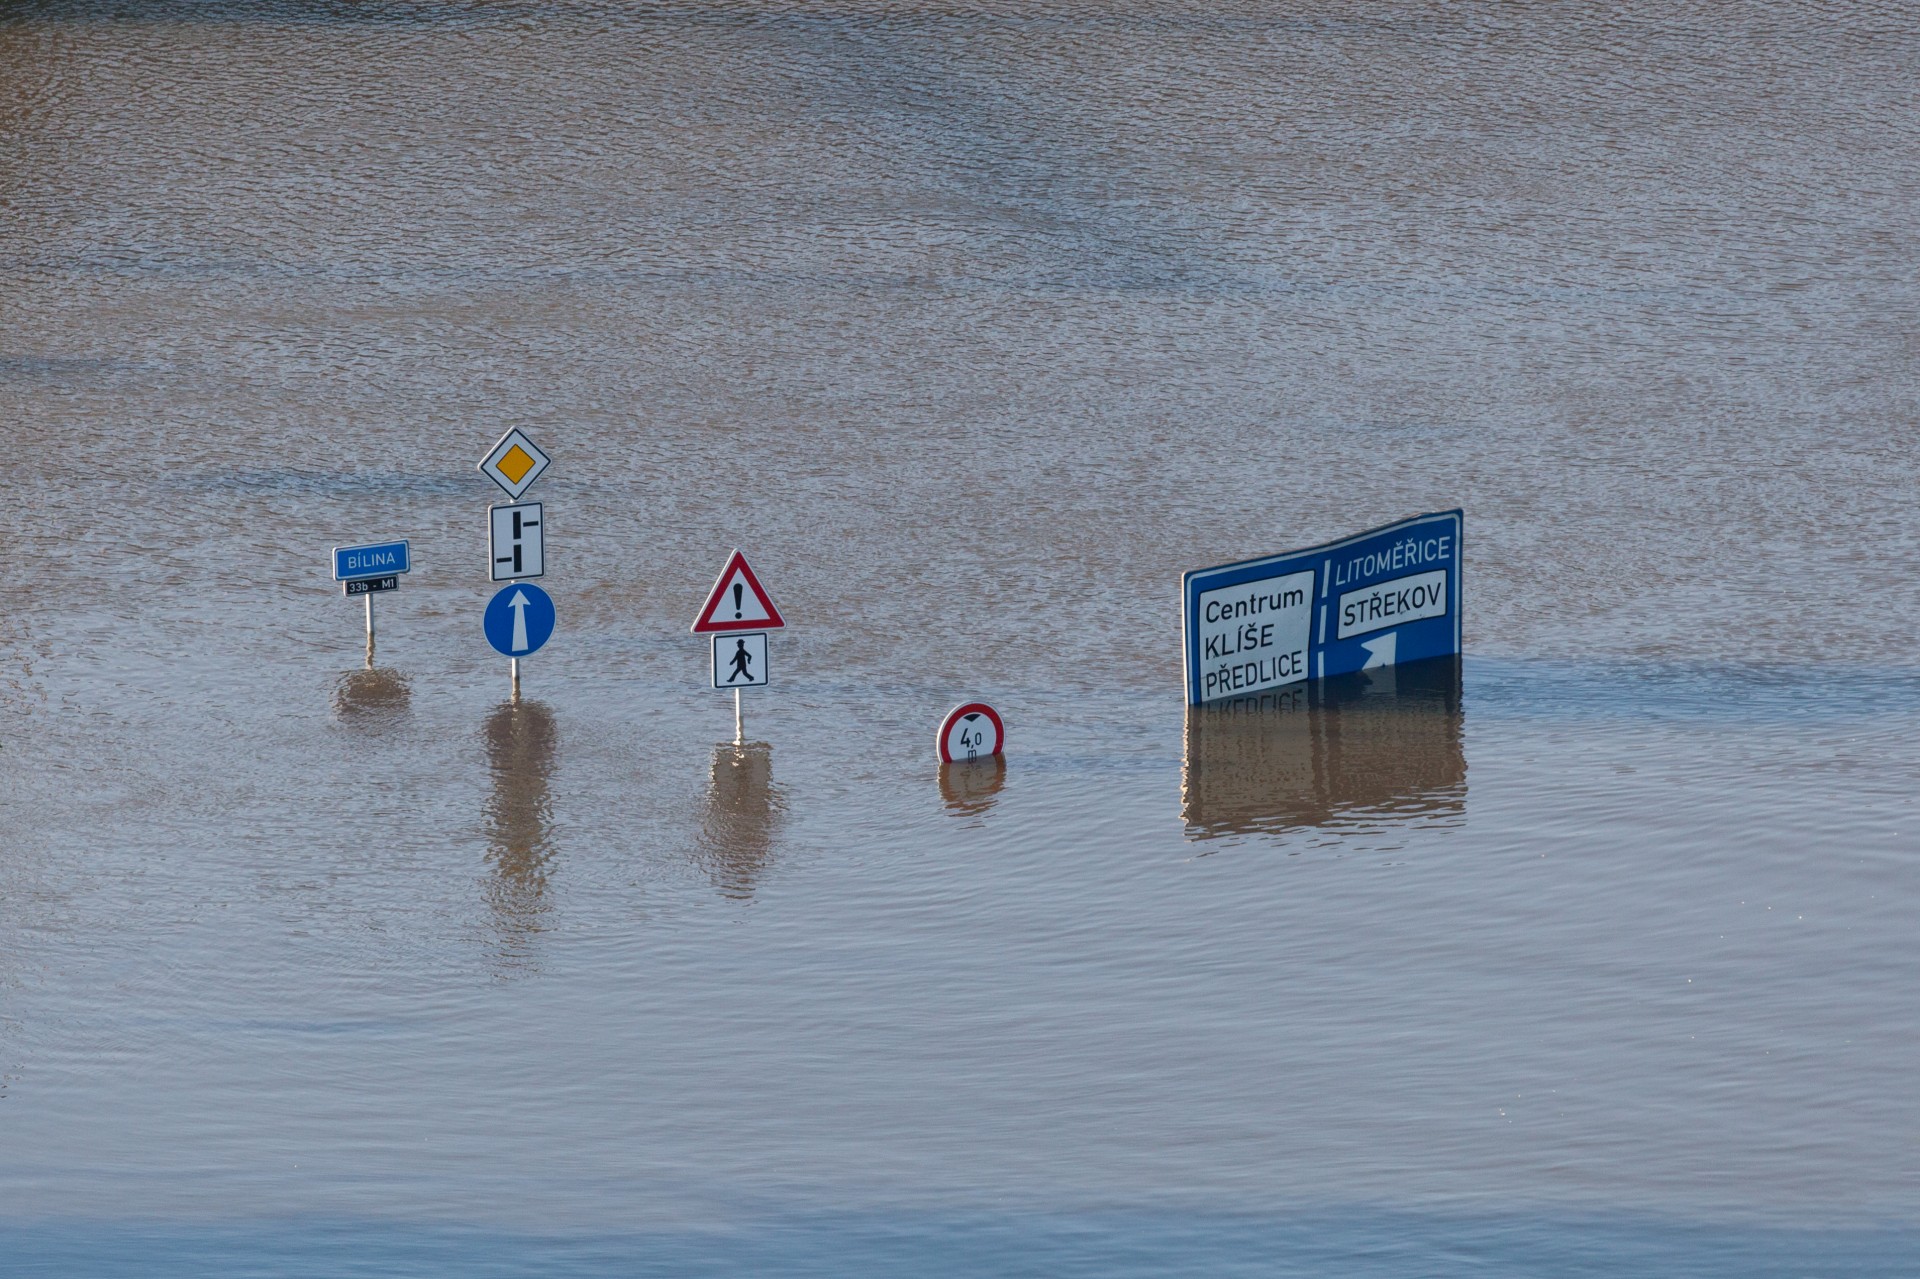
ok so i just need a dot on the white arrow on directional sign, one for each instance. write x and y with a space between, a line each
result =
519 606
1380 651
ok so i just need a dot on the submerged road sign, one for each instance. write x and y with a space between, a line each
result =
740 661
1379 598
738 602
514 463
519 619
376 559
971 730
516 541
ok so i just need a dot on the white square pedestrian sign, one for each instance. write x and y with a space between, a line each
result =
515 463
740 661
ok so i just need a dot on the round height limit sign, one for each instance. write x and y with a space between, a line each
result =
971 731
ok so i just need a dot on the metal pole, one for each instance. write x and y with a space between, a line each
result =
737 738
369 630
516 678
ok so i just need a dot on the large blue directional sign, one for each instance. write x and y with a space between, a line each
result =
1379 598
377 560
519 619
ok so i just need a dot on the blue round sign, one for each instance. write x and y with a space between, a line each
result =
519 619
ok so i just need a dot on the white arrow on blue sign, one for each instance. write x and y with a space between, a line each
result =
519 619
377 559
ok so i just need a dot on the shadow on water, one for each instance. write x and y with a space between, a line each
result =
522 742
1381 746
372 700
742 815
969 787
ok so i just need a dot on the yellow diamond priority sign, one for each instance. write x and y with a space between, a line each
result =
515 463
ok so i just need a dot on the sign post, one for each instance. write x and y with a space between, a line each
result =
518 622
738 604
369 569
516 549
1380 598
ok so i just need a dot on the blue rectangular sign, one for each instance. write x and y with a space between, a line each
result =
376 560
1379 598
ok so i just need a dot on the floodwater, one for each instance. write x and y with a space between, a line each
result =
974 325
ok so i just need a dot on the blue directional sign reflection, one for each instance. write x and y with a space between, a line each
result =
519 619
1380 598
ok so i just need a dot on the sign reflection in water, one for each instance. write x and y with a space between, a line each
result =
522 741
372 699
970 786
743 814
1380 746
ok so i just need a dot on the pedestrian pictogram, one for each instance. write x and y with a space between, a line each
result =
740 661
519 619
738 602
514 463
970 731
516 541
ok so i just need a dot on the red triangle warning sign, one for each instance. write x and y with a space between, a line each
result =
738 602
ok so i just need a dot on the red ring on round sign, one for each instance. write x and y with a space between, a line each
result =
958 713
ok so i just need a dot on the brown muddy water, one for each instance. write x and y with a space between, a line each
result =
974 325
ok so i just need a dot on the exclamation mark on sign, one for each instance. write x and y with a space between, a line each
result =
739 592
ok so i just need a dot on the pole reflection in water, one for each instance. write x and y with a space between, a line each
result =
372 699
969 786
521 744
1366 749
743 812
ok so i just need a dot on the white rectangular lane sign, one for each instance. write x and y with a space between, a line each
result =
740 661
517 539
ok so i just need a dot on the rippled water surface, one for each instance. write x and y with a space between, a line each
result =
974 326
